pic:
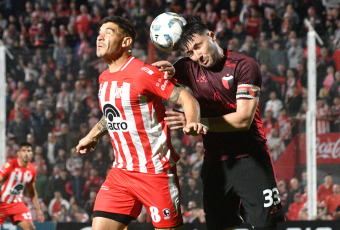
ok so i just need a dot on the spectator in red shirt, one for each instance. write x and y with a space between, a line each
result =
326 189
83 21
333 201
294 208
20 93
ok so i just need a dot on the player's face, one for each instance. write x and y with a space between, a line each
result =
203 50
109 40
25 154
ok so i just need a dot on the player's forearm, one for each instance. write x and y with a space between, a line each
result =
98 130
240 120
191 110
34 198
189 104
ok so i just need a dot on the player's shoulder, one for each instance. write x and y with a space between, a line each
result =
11 163
32 168
241 58
184 61
143 69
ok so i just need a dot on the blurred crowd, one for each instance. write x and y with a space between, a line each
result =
295 204
52 81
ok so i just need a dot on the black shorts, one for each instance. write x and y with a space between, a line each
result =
249 180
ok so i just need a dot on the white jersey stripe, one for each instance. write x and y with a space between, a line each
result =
134 134
122 94
8 187
116 138
157 140
127 64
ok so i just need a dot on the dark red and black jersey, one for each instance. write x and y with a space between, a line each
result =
217 89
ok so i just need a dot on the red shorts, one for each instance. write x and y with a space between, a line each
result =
125 192
15 212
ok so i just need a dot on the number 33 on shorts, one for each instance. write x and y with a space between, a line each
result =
271 197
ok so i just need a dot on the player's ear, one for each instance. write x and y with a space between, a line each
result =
127 42
212 35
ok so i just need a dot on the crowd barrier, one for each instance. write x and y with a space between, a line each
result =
289 225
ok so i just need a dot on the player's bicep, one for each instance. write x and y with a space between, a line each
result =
246 109
175 95
31 188
1 178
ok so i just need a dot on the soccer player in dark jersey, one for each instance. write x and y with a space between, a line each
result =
237 164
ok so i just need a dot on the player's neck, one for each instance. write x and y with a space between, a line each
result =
116 63
22 163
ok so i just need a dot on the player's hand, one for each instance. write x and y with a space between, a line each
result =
86 144
194 129
166 67
175 119
41 216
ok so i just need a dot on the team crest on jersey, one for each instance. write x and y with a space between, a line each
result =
228 81
7 165
166 213
114 119
16 190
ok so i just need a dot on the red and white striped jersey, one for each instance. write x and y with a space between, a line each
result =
131 101
322 126
16 177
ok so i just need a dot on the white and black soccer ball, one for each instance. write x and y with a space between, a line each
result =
165 31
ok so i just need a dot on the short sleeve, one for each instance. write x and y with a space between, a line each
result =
249 79
153 82
181 67
6 169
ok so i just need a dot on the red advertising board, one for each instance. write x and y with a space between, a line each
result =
328 152
327 148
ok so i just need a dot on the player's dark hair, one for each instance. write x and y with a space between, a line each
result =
25 143
194 26
125 25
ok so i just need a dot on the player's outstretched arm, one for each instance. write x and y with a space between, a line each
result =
34 196
191 110
90 141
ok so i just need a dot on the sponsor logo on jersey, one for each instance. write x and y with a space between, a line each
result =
114 119
202 79
228 81
147 70
16 190
166 213
163 85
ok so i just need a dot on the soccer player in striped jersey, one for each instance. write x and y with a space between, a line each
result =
15 176
237 164
130 96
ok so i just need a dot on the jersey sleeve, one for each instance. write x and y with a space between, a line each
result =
181 67
153 82
6 169
248 79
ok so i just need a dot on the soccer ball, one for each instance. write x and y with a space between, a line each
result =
166 30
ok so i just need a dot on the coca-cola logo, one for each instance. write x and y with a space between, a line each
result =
328 149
